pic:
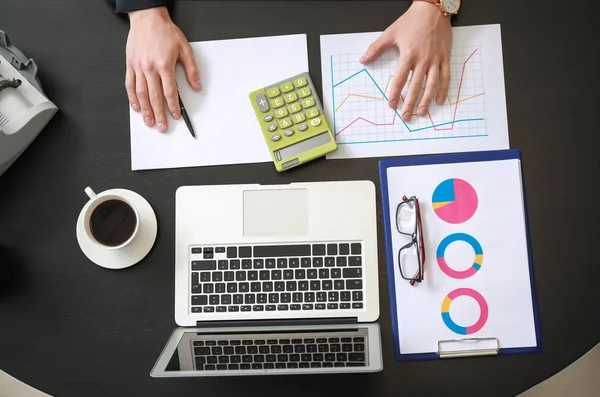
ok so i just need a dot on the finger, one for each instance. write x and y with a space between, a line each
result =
130 87
157 101
377 47
189 66
169 87
398 83
433 82
414 88
444 82
141 90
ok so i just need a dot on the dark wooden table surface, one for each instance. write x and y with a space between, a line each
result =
71 328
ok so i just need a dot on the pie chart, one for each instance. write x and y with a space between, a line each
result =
454 201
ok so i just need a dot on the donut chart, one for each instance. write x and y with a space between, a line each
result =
454 201
441 252
462 330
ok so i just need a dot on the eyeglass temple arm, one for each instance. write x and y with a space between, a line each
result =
421 270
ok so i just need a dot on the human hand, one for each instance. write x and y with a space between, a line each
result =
424 37
154 46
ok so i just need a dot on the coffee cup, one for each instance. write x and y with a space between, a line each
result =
110 221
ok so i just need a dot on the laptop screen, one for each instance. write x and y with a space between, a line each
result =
262 350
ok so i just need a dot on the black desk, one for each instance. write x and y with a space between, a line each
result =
71 328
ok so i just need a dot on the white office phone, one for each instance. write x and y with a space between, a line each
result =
24 108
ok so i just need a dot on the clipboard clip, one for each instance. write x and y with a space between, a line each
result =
468 347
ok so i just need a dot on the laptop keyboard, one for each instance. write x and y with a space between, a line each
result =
293 351
298 277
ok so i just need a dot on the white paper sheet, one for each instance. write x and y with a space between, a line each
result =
503 280
223 118
355 98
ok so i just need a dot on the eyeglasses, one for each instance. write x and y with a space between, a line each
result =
411 257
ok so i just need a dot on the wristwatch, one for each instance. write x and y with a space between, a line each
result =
447 7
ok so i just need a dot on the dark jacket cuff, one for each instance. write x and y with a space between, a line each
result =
122 6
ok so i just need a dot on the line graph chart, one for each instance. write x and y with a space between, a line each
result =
450 102
356 99
361 93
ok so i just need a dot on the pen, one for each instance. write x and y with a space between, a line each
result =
185 116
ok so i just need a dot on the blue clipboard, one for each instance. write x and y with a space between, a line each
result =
452 158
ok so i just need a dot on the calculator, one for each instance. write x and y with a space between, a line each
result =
292 121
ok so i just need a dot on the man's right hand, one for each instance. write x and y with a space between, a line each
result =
154 46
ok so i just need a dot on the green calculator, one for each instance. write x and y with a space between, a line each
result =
293 122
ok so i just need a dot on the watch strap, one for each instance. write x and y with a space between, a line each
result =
437 3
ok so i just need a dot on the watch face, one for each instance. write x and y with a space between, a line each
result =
451 6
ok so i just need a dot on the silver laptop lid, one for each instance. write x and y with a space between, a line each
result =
271 350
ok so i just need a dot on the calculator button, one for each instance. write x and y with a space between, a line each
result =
291 97
287 87
294 108
277 103
281 113
283 124
289 132
315 122
300 82
261 102
298 118
271 127
302 127
312 113
306 103
303 93
273 92
275 137
268 118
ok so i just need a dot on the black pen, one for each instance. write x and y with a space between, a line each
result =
185 116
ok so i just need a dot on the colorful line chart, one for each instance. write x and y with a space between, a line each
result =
356 96
363 114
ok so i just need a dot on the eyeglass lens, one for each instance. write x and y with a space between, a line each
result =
409 261
407 218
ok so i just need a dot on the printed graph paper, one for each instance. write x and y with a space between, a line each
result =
356 97
362 114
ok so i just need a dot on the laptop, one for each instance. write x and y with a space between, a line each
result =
275 279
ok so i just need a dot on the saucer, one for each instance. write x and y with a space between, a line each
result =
130 254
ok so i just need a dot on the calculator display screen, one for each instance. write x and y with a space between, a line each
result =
300 147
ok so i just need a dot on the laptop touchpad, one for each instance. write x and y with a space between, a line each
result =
281 212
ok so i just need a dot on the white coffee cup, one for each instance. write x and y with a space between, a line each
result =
96 200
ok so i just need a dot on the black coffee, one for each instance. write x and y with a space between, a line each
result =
113 222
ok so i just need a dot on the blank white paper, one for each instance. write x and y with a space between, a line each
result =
503 280
355 98
227 131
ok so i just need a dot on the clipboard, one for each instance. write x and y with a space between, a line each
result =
459 347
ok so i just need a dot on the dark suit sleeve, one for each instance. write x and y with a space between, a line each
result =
121 6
